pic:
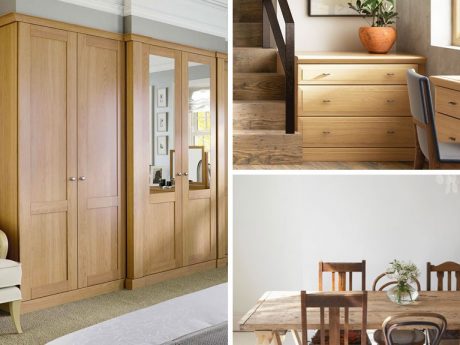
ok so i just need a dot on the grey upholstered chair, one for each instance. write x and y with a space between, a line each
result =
439 155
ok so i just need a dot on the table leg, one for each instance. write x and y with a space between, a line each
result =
270 337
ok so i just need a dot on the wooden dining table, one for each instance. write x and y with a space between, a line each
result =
277 312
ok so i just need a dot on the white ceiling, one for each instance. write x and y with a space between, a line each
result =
207 16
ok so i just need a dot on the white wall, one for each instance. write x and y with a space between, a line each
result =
324 33
284 225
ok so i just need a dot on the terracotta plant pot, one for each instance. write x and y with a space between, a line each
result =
378 40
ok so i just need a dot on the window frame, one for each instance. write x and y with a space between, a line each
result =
456 22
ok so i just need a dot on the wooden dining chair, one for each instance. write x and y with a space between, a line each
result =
448 267
401 337
439 155
342 269
334 332
435 324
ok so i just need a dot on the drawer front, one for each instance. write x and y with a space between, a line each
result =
448 129
448 102
353 100
357 132
354 74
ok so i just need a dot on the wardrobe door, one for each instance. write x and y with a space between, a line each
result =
47 163
199 158
101 223
161 245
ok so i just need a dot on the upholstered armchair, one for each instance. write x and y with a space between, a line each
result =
10 280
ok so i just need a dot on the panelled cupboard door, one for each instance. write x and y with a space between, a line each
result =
48 163
101 223
162 233
198 177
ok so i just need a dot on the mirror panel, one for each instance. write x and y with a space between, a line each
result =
162 123
199 120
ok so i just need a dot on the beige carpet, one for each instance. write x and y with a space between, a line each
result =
43 326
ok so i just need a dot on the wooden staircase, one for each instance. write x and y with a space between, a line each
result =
259 115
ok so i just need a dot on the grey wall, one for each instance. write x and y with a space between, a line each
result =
7 6
69 13
171 33
414 36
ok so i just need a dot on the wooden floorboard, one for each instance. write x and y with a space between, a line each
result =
332 166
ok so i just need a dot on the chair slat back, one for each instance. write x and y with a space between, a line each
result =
341 269
450 268
389 283
333 304
435 324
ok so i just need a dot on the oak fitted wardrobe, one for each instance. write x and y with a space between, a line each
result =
68 162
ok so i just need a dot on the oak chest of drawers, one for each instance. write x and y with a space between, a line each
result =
355 106
447 108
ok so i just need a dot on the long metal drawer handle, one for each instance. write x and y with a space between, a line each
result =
390 101
326 132
326 101
391 132
326 74
452 138
390 74
452 103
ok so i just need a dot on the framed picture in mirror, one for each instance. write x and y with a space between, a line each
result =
162 122
162 97
155 174
330 8
162 145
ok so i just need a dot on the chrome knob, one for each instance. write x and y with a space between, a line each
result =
72 178
179 174
185 173
82 178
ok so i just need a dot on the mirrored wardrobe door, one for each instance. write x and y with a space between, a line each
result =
162 236
199 157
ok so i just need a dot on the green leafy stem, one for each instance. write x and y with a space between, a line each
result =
382 12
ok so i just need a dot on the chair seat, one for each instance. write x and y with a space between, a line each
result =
10 294
354 337
401 337
449 152
10 273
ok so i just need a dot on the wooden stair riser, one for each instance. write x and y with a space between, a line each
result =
247 34
247 11
254 60
258 86
259 115
266 147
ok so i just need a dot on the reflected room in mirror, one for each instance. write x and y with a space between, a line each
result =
162 122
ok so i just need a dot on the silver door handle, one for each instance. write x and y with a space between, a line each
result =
82 178
72 178
185 173
179 174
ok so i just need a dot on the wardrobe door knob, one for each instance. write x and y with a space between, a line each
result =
179 174
82 178
72 179
185 173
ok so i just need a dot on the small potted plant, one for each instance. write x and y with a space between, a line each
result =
379 37
404 274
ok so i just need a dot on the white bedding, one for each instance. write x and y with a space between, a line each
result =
159 323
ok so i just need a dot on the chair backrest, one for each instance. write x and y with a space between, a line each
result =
342 269
421 106
3 245
436 324
446 267
389 283
334 303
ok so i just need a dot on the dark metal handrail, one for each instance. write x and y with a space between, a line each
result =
286 51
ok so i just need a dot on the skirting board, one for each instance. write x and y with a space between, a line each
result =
222 262
71 296
131 284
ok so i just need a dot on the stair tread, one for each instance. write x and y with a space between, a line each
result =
262 131
261 74
245 101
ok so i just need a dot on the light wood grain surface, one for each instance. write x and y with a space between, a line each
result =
280 310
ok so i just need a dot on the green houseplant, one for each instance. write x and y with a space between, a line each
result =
404 274
379 37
